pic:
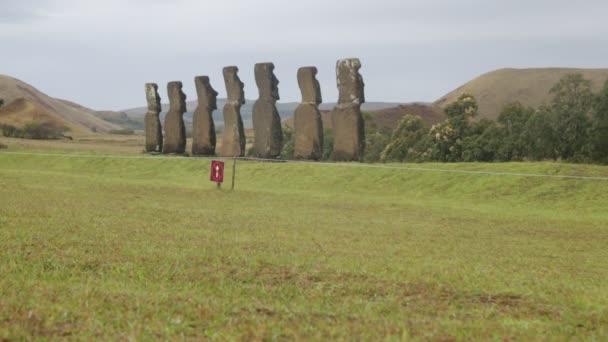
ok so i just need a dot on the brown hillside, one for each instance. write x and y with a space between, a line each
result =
24 103
529 86
21 111
389 118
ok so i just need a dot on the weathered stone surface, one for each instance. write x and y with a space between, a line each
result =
175 130
349 133
233 143
268 140
203 128
152 126
308 125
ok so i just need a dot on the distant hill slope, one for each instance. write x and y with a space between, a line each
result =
21 112
286 110
24 103
121 119
388 118
529 86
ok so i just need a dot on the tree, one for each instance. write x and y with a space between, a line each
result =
538 136
406 142
376 139
570 108
445 144
328 143
599 130
461 112
483 142
511 124
288 143
447 137
375 143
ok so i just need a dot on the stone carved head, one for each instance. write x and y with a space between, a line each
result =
267 82
234 86
207 96
153 98
177 98
350 82
309 85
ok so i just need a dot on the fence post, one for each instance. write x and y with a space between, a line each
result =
233 172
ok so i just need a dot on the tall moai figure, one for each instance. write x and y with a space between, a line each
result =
349 132
203 128
308 125
154 130
268 140
175 130
233 144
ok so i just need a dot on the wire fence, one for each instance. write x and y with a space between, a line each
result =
320 164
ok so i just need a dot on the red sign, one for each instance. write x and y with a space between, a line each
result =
217 171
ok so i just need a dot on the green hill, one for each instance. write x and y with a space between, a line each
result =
529 86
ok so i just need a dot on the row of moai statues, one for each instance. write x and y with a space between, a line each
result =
347 120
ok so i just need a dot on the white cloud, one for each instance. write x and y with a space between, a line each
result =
411 50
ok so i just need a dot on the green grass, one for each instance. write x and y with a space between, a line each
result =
148 248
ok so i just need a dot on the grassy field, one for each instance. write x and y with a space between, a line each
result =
147 248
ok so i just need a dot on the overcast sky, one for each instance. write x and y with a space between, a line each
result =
100 53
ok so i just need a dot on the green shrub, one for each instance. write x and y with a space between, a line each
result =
10 131
288 143
34 130
375 143
375 139
128 131
42 130
402 145
328 143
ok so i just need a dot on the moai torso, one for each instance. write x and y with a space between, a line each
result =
268 139
203 128
308 125
152 126
233 142
349 133
175 130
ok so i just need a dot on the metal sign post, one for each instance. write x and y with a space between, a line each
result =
233 172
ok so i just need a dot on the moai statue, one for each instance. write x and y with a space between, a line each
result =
203 129
175 130
233 144
349 133
154 131
308 125
268 139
